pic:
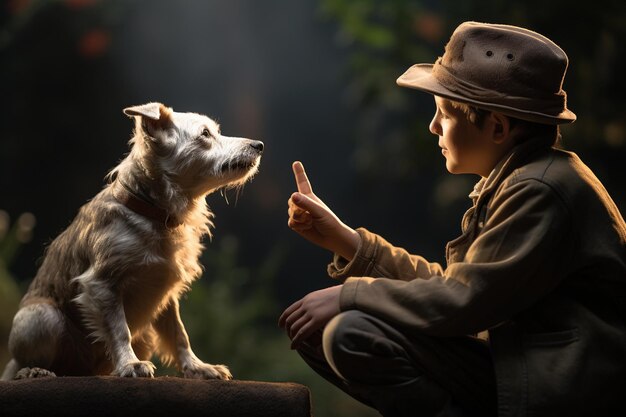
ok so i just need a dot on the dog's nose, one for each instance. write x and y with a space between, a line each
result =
258 145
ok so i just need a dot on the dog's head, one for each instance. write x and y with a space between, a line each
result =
190 150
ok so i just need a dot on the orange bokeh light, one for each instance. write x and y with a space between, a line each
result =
94 43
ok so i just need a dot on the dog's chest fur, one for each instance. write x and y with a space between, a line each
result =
169 266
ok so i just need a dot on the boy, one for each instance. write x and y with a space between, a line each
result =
539 272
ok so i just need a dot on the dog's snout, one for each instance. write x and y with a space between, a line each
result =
257 145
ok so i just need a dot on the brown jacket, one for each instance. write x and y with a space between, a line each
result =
541 265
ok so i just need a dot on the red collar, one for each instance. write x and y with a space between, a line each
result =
143 207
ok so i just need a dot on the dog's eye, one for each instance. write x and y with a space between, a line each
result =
206 133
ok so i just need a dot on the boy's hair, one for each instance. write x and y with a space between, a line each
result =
522 129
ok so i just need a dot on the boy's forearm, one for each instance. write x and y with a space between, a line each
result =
379 258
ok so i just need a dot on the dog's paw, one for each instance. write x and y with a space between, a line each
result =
207 371
141 369
25 373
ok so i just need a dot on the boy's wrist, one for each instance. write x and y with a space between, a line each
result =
349 243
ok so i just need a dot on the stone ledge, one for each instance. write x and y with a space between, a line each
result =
163 396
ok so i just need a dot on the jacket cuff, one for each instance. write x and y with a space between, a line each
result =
362 262
347 296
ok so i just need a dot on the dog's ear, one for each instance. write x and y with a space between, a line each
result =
153 117
150 110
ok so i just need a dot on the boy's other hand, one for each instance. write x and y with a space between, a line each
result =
306 316
312 219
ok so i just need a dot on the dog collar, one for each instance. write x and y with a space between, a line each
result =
125 196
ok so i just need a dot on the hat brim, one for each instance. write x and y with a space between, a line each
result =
419 77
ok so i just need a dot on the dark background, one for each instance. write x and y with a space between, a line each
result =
315 80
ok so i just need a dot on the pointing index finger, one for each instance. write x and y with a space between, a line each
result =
304 186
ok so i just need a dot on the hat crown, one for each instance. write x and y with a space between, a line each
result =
501 68
506 59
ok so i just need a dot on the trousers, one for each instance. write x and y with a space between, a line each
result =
403 373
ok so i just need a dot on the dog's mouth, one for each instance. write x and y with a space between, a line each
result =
231 166
230 174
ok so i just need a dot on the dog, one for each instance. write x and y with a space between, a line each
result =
106 297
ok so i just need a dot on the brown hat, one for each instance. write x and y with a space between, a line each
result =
502 68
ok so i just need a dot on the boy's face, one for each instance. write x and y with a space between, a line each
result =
467 148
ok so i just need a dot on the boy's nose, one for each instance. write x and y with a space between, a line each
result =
258 145
435 127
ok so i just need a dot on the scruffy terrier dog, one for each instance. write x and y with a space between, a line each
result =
105 298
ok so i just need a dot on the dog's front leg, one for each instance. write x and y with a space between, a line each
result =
125 362
103 311
175 341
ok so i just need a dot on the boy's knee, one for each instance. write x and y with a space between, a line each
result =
341 344
357 348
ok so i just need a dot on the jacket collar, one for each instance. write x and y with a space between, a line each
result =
505 166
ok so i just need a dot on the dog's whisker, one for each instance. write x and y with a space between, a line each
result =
223 193
238 192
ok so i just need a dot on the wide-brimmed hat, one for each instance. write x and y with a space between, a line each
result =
503 68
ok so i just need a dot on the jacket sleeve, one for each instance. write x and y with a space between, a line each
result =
509 266
375 257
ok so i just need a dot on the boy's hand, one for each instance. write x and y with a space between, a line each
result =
310 314
312 219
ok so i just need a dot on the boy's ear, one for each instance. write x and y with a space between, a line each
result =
151 117
501 127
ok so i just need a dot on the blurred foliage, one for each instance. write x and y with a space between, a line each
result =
12 237
383 38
